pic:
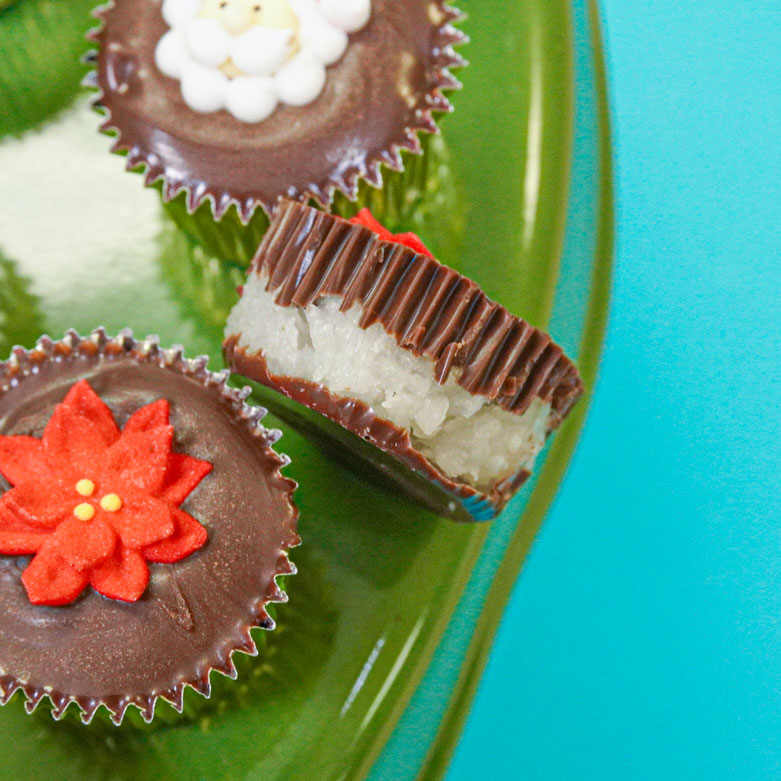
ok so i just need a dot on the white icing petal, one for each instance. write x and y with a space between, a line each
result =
208 42
204 89
261 50
306 10
251 98
171 54
176 12
347 15
324 42
301 80
196 48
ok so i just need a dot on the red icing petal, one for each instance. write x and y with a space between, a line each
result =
85 403
183 475
414 242
74 444
18 538
142 521
138 461
368 220
411 240
50 580
21 543
9 517
84 544
41 506
124 576
187 538
82 441
149 417
21 460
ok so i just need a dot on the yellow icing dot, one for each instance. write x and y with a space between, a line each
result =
111 503
85 488
84 512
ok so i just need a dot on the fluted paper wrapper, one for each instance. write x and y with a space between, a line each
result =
223 194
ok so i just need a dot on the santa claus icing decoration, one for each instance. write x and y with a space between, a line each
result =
248 56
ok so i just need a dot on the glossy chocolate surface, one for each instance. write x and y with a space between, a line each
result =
382 92
195 612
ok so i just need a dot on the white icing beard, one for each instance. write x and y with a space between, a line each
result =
270 65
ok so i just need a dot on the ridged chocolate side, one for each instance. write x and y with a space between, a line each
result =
430 309
425 483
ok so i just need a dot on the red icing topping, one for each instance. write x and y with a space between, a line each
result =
411 240
95 504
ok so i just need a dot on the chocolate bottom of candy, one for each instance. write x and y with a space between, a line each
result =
377 440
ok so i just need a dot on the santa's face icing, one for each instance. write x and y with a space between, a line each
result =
237 16
247 56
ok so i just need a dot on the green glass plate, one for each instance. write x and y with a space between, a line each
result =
378 653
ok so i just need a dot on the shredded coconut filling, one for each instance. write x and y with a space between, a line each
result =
468 437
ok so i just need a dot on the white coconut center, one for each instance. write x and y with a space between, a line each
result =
247 56
468 437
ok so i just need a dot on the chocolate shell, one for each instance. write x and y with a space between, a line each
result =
383 92
431 311
196 613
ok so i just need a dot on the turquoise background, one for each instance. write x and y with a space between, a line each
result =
642 639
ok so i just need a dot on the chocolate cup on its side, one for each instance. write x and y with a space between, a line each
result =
430 310
377 98
194 614
391 453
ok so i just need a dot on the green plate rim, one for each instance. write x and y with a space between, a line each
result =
510 557
592 345
473 663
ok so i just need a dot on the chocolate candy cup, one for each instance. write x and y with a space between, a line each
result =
430 311
195 614
378 97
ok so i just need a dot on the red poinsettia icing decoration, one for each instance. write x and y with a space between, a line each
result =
411 240
95 504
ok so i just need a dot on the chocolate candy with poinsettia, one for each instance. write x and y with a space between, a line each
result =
143 522
97 532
